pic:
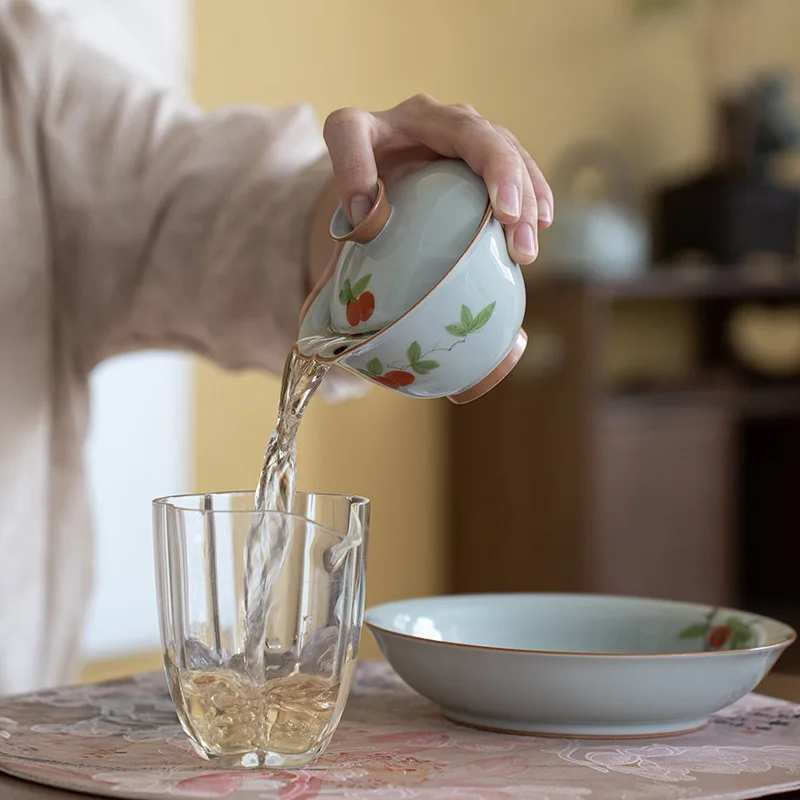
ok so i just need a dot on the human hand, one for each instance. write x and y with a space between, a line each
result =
393 143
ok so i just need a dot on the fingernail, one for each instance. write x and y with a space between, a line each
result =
360 206
525 241
545 212
508 199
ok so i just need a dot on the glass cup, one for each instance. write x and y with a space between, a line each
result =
272 697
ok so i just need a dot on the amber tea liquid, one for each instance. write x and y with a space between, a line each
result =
230 714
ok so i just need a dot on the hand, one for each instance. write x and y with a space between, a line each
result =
393 143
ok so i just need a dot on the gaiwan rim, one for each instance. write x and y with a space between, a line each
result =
790 635
370 336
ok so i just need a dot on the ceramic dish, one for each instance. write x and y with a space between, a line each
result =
577 665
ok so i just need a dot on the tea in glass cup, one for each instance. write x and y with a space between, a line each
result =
276 704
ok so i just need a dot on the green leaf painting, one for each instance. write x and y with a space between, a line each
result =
420 365
425 366
482 317
469 322
693 632
361 285
350 292
374 368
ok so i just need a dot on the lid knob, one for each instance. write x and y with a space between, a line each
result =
366 230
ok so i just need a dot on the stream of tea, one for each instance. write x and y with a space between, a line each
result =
267 543
237 706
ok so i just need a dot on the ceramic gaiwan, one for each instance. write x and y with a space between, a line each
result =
424 291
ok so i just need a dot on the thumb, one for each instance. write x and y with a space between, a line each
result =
348 135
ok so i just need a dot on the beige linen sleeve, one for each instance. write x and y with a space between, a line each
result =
170 227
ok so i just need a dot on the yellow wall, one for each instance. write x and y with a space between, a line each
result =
551 70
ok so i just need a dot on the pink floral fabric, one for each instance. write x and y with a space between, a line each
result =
122 740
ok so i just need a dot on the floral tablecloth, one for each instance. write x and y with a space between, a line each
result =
122 739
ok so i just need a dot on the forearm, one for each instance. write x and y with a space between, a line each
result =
171 228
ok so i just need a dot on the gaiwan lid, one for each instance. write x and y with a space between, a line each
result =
414 234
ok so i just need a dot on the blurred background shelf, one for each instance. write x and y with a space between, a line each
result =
668 282
754 403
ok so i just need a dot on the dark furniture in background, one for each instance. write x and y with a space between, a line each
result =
728 217
563 482
736 209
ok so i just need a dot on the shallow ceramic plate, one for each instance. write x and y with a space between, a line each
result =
577 665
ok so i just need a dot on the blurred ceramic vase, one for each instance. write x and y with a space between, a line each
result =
602 236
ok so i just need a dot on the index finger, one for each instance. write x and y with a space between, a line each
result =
348 135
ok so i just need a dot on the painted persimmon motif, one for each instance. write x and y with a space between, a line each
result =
732 633
418 362
359 304
393 376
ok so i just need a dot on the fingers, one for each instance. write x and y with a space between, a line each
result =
521 237
459 131
348 136
520 196
544 194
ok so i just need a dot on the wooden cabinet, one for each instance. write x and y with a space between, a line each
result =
664 481
564 482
